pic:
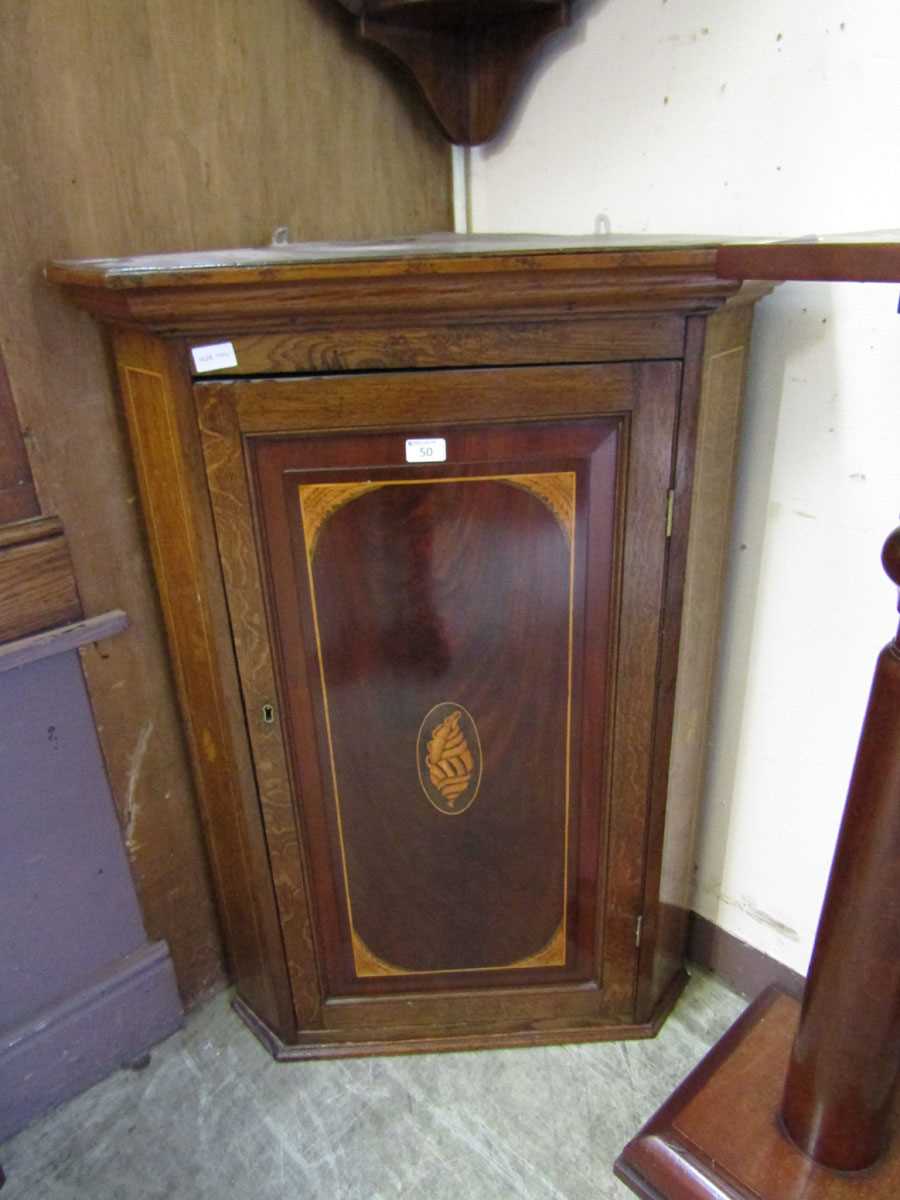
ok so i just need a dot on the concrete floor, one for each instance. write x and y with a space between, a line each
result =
214 1116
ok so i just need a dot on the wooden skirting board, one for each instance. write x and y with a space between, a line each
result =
744 968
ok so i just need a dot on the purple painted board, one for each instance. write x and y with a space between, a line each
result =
66 893
127 1008
81 991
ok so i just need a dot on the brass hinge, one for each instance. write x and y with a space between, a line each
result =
670 509
638 926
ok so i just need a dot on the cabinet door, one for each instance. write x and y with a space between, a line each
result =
462 659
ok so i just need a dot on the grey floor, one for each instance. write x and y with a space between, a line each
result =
213 1116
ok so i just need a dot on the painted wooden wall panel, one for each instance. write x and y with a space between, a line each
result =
130 126
82 990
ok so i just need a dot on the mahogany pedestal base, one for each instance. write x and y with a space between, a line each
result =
718 1136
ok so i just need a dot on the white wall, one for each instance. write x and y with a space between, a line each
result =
725 117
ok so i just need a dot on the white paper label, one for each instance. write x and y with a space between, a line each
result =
214 358
426 450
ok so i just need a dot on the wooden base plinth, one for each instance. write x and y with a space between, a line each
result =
320 1044
718 1136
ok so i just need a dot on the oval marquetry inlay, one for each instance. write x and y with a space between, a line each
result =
449 758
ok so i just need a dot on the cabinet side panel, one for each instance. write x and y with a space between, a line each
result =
157 402
643 581
720 375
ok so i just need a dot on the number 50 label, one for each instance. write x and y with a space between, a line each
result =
426 450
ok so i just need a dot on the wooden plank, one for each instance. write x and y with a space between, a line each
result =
262 115
37 587
61 640
828 261
32 530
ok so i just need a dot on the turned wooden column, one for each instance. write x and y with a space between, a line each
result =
800 1103
846 1055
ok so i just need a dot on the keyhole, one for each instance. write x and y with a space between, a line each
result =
268 714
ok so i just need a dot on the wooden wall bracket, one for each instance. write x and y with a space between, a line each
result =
467 56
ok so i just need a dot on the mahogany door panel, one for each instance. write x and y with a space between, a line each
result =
445 647
441 616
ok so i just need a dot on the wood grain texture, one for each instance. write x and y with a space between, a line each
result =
505 343
138 125
233 509
414 588
427 626
17 495
158 406
36 529
37 587
418 399
368 295
431 643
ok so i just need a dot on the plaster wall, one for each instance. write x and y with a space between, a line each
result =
718 117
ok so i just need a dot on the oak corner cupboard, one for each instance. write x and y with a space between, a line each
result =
438 528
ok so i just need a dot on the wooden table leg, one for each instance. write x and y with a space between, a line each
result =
736 1128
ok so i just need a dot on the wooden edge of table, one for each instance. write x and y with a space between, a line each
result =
832 262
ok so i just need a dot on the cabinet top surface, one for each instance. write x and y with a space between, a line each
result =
866 256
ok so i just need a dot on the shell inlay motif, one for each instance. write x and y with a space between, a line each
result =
449 759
